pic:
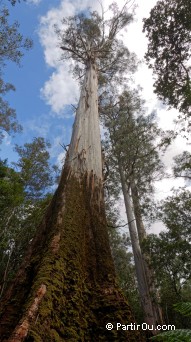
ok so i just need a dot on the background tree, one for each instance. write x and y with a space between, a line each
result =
182 166
168 31
170 254
123 258
12 45
133 147
34 168
23 200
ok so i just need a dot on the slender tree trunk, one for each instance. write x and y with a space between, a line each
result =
137 210
65 289
5 274
149 271
138 257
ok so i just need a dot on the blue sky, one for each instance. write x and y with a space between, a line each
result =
33 113
45 89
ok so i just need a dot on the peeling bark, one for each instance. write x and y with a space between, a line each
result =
70 255
84 154
21 330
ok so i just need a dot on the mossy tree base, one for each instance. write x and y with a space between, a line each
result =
65 289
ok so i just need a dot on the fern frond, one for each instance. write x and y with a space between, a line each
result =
179 335
183 308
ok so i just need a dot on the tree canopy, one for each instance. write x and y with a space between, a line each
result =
182 166
33 166
24 199
90 37
12 46
168 30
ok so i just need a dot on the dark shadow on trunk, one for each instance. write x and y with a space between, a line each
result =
65 289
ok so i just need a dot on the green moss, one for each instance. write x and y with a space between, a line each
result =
75 307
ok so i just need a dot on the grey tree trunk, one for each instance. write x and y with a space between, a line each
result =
143 288
84 153
137 210
148 270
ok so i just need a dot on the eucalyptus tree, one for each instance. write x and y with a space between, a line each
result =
168 30
65 288
122 256
134 142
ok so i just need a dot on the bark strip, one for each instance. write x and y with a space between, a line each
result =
21 330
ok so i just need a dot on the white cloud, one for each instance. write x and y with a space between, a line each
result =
48 36
6 139
34 2
60 90
60 159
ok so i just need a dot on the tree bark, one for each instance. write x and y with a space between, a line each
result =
84 153
138 257
65 289
148 270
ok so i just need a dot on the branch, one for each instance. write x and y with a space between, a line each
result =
84 45
117 226
74 52
64 147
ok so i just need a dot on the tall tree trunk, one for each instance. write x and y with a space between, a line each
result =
65 289
149 271
137 210
143 287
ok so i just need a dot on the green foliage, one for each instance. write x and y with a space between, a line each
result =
12 45
168 30
8 122
133 138
23 202
81 294
34 169
176 215
17 228
90 38
11 187
12 42
171 257
178 335
182 166
183 308
170 254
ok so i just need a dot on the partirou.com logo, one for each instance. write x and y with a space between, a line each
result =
134 326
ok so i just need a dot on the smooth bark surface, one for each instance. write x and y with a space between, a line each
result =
65 289
143 287
148 270
84 153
